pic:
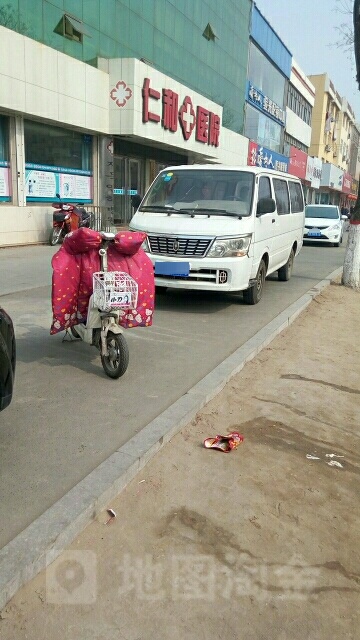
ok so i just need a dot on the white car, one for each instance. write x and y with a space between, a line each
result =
324 223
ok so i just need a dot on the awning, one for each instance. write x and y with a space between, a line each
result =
77 25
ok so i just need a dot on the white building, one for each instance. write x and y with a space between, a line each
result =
55 108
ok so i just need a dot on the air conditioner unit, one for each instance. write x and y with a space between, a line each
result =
327 147
334 154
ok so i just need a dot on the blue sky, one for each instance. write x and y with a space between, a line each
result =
308 29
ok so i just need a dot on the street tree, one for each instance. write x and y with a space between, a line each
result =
351 268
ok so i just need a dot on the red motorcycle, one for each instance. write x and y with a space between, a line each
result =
67 217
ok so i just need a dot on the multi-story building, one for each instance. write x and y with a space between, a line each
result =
265 110
300 103
343 135
333 121
325 120
299 106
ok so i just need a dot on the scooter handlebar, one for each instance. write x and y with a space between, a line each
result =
107 235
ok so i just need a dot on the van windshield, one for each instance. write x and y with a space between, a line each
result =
321 211
219 192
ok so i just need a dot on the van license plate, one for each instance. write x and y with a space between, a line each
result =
181 269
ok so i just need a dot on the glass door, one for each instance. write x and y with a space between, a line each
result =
127 182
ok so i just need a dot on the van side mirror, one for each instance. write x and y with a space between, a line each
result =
265 205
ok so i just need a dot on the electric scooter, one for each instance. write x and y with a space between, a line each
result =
113 293
67 217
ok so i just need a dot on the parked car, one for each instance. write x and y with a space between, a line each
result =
7 359
324 223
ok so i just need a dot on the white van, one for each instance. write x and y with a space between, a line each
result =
221 228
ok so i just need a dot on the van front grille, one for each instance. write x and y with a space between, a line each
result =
179 246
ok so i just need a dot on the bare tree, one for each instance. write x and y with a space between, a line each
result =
345 30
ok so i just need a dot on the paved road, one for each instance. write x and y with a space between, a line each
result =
67 417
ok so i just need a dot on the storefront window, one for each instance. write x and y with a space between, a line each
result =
57 147
263 130
322 197
289 141
4 139
265 96
57 161
5 179
263 75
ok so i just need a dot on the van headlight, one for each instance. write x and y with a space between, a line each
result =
145 245
230 247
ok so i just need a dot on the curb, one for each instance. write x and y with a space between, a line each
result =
47 537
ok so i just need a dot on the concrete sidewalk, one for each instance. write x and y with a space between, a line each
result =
258 543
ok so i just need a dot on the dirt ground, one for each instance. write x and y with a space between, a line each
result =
258 544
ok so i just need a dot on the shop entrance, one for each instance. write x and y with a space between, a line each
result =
128 181
134 170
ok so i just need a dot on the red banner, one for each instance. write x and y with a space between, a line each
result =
297 163
252 153
347 183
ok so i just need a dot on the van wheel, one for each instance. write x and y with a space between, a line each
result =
284 273
254 293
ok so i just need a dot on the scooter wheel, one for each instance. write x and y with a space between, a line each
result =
54 236
74 333
116 363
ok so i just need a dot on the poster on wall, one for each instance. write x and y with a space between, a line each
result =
83 187
269 133
4 183
67 186
42 185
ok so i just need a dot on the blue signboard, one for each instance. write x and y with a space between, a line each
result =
260 101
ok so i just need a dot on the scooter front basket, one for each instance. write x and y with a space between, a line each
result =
114 290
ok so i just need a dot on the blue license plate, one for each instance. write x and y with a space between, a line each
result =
314 234
172 269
